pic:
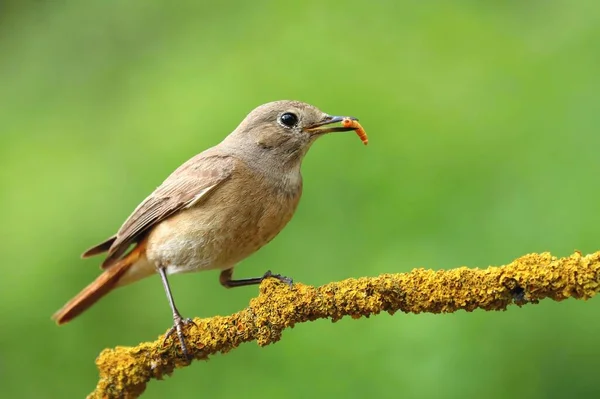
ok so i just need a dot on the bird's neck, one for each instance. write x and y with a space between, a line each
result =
282 170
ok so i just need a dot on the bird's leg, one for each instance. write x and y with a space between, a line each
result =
226 279
178 321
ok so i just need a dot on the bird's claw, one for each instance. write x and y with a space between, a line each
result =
283 279
178 323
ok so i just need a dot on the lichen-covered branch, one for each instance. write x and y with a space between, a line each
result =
124 371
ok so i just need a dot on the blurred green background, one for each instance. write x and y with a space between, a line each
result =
483 120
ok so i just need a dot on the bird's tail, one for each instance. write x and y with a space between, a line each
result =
105 283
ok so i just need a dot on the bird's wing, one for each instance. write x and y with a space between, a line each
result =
187 186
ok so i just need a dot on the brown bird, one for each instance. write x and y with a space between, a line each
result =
214 210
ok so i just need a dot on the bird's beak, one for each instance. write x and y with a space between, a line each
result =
320 127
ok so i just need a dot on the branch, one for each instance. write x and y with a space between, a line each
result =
124 371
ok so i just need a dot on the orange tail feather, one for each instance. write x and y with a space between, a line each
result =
105 283
92 293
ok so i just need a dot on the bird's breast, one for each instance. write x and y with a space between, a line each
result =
240 217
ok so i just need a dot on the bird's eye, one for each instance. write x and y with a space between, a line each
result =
288 119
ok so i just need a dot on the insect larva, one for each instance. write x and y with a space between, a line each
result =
346 122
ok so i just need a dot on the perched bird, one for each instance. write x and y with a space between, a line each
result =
216 209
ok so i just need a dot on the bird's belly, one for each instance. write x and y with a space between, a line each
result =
180 250
194 241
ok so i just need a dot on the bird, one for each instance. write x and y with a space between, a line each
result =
216 209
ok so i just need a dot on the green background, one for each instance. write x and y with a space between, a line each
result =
483 120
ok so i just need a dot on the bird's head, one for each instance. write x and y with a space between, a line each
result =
284 130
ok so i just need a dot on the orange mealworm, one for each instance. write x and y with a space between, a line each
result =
346 122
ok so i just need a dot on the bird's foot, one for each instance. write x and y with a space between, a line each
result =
283 279
178 324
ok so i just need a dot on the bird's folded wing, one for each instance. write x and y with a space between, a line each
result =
187 186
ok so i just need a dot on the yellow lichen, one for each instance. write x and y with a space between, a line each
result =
125 371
